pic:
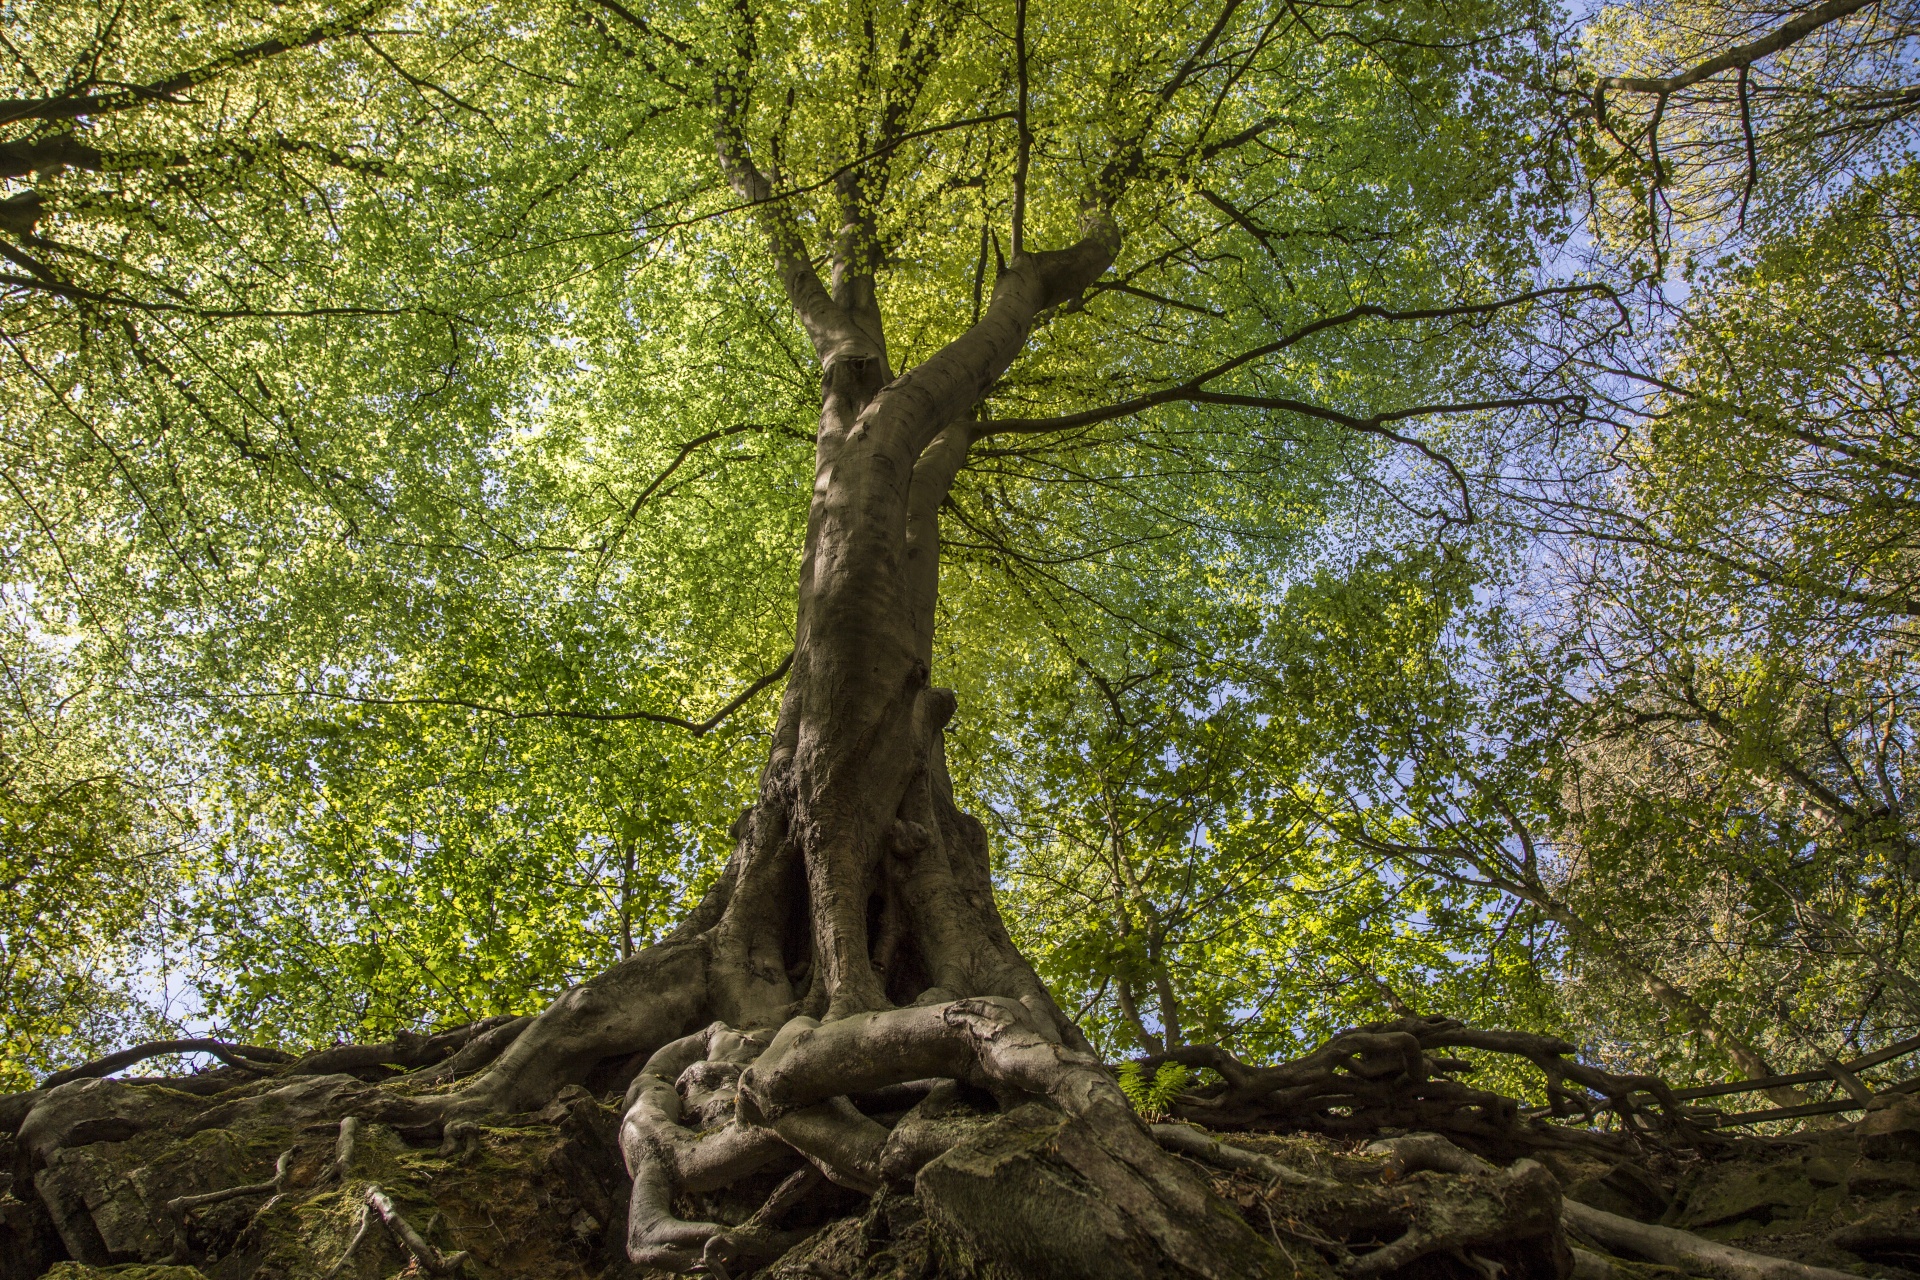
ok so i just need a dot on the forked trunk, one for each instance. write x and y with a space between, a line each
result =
856 884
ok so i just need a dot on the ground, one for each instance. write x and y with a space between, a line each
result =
1026 1191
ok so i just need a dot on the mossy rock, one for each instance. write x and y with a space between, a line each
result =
1041 1193
1735 1197
1890 1130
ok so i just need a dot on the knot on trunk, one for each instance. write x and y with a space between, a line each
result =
905 838
941 703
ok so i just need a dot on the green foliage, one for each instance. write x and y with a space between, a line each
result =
1246 854
395 401
88 865
1152 1095
1739 788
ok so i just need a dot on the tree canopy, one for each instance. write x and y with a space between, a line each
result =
1454 560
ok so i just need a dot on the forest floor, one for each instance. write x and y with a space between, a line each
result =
260 1179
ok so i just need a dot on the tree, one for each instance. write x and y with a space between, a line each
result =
1258 853
84 851
1747 632
856 915
1701 115
1244 239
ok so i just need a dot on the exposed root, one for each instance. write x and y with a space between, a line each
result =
343 1147
1500 1204
717 1105
1693 1254
1187 1140
1009 1148
1424 1151
360 1230
458 1136
246 1056
430 1259
1393 1075
1510 1208
409 1051
694 1078
1891 1242
479 1051
1466 1216
180 1206
1664 1246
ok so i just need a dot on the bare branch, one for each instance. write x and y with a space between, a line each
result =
1183 391
834 334
252 1057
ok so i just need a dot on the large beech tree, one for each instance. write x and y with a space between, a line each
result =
856 885
1198 261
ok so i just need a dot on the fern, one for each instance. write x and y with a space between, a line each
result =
1152 1097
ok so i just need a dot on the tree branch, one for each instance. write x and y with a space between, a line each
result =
1741 55
832 331
698 728
70 106
252 1057
1182 391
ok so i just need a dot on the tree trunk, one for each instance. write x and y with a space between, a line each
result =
856 884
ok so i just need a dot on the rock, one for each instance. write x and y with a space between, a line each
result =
1873 1179
1892 1240
94 1179
1739 1192
1040 1193
1622 1188
841 1251
89 1111
26 1233
1890 1130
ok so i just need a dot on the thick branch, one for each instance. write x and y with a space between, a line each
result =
834 333
944 388
71 106
1193 389
1742 55
62 150
252 1057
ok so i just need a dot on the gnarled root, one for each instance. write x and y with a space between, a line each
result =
718 1105
694 1079
1484 1206
1067 1180
1188 1140
1396 1075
